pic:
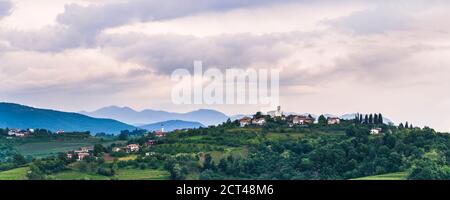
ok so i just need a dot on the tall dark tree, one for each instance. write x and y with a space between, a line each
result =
360 118
366 119
322 120
356 120
380 118
400 126
375 119
407 125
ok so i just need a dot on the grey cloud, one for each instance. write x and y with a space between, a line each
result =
165 53
384 16
90 20
5 7
48 39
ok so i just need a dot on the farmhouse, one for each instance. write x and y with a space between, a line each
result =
116 149
333 120
18 133
150 143
160 134
81 153
81 156
375 131
245 121
259 121
302 120
132 148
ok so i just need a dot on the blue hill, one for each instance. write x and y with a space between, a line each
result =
172 125
23 117
130 116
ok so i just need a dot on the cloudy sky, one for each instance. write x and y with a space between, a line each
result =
335 57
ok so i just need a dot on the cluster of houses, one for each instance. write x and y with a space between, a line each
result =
291 119
84 152
81 153
20 133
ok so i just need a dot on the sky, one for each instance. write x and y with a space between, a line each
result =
337 57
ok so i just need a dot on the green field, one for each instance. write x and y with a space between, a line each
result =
49 148
137 174
391 176
122 174
76 175
14 174
129 157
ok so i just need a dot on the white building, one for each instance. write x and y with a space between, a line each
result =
276 113
333 120
259 121
375 131
245 121
132 148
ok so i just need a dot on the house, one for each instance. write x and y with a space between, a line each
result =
18 133
150 143
87 149
245 121
150 154
302 120
259 121
160 134
81 156
132 148
60 132
69 156
376 131
333 120
116 149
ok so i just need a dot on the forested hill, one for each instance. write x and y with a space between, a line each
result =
24 117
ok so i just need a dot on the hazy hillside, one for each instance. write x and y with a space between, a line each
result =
172 125
130 116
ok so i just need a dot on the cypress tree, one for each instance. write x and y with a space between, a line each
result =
371 119
356 120
380 118
360 118
375 119
366 119
406 125
400 126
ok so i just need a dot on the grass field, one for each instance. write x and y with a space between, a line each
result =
137 174
127 158
391 176
122 174
14 174
49 148
76 175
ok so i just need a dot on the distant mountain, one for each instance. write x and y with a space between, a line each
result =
172 125
128 115
239 116
23 117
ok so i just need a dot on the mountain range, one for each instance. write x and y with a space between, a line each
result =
148 116
113 119
23 117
